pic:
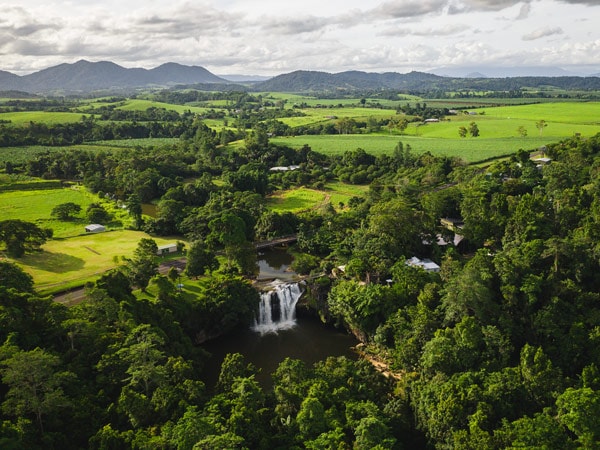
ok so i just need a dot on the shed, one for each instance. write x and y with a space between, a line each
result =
95 228
166 249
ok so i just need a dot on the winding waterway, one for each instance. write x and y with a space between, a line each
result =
308 340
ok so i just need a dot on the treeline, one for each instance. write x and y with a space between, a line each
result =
86 130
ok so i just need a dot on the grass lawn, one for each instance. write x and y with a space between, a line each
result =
305 199
36 206
66 263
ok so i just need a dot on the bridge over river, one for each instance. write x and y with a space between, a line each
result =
282 240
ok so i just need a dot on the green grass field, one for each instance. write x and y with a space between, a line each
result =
24 117
66 263
498 131
305 199
469 149
142 105
36 205
567 112
495 127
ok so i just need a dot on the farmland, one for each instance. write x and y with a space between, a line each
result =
72 257
71 262
23 118
36 206
469 149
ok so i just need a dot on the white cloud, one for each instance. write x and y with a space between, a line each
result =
542 32
524 12
270 36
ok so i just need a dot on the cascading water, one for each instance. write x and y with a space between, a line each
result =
277 309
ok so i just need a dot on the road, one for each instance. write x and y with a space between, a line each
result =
77 295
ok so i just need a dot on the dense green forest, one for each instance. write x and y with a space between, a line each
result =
499 349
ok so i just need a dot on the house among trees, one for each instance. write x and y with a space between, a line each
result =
284 168
426 264
95 228
166 249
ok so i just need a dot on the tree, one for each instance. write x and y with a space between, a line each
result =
66 211
96 213
540 125
20 236
143 266
134 206
522 131
199 260
234 366
12 276
143 354
473 129
462 131
34 384
579 411
402 125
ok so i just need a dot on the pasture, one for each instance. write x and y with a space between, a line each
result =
36 206
469 149
564 113
306 199
142 105
66 263
22 118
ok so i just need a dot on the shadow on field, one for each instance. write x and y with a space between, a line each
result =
54 262
193 288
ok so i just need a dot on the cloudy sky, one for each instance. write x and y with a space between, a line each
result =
269 37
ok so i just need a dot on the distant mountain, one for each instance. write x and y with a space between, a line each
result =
302 80
306 81
90 76
9 81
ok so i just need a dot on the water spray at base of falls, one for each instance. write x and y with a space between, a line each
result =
277 309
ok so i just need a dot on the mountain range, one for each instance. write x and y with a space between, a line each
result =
85 76
91 76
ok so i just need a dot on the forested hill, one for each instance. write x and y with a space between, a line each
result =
89 76
302 81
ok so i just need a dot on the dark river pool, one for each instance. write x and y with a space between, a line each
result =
308 340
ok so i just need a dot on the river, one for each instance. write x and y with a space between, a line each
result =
308 339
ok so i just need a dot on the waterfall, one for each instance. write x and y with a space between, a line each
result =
277 309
